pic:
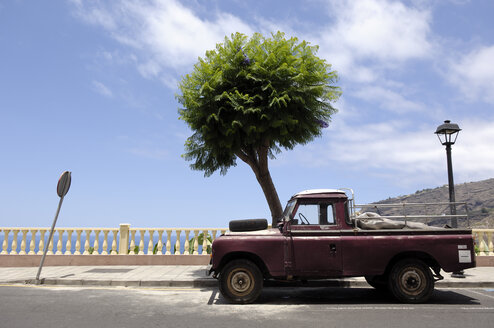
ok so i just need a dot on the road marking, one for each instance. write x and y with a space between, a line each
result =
479 293
404 308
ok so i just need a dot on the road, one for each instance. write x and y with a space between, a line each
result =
40 306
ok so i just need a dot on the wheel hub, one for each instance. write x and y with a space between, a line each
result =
240 282
412 281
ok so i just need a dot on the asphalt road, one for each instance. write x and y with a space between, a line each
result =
40 306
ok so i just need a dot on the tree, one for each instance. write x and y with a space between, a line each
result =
251 97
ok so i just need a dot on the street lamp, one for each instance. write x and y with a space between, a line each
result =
447 134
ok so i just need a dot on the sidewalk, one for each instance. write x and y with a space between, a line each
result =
185 276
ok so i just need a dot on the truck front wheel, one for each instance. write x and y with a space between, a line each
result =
411 281
240 282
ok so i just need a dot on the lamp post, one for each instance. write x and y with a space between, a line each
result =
447 134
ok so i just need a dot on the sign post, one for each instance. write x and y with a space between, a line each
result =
63 187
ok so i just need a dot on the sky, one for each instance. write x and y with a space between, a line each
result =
89 87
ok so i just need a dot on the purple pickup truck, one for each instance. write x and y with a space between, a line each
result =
320 237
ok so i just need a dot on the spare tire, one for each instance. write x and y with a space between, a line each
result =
248 225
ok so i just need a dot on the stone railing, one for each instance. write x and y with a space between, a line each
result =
109 241
139 241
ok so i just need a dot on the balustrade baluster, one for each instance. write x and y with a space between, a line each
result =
141 242
59 242
159 251
78 242
205 242
14 243
186 245
32 243
213 235
50 245
96 242
482 245
177 243
114 243
168 244
132 242
41 246
86 242
489 243
196 242
23 242
151 242
5 244
68 244
104 251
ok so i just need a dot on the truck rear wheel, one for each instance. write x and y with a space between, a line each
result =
411 281
241 282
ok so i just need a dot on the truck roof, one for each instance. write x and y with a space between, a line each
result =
319 192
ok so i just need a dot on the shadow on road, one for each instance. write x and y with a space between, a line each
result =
343 296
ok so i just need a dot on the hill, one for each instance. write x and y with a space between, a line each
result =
479 197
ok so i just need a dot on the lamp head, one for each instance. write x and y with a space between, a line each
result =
447 132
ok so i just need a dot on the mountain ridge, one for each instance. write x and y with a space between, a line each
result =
478 196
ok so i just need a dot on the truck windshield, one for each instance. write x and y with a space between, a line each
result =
288 210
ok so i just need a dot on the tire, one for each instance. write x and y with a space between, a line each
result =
248 225
378 282
240 282
411 281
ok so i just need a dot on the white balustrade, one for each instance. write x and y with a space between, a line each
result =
484 240
168 241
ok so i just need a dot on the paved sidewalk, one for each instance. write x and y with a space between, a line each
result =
184 276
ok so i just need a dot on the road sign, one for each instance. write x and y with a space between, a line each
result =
63 187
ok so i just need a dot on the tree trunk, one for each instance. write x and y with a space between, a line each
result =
257 159
271 197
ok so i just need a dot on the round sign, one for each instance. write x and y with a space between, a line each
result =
64 184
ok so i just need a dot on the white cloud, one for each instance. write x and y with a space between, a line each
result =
473 73
378 31
388 99
102 89
401 154
167 36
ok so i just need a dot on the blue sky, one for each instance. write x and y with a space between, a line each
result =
89 86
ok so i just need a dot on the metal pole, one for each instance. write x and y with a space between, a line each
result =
452 206
49 239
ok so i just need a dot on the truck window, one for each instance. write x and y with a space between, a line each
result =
321 214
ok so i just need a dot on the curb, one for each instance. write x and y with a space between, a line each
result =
120 283
210 283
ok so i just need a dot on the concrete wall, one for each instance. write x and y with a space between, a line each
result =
58 260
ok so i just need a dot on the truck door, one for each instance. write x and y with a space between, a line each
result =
315 241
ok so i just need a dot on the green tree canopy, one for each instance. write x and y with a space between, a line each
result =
251 97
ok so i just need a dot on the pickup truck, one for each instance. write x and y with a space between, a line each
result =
320 237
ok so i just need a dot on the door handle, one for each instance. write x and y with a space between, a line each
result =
332 248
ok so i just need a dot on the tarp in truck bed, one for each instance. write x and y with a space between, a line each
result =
373 221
